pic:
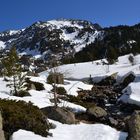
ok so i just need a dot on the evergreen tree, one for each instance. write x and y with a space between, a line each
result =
13 70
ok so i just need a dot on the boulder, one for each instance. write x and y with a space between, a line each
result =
134 126
109 80
40 69
57 78
29 73
2 135
59 114
1 129
97 112
125 79
113 122
34 85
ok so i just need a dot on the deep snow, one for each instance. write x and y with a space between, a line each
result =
75 132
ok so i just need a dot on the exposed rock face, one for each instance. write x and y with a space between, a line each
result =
134 126
1 129
52 38
97 112
128 79
110 80
59 114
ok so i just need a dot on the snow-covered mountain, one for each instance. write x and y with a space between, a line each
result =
73 40
51 38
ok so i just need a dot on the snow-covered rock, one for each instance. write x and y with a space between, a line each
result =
131 94
2 45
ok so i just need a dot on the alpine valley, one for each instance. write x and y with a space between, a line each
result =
69 79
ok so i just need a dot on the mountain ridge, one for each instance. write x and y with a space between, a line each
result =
72 40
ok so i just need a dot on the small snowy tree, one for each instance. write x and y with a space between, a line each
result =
52 79
13 70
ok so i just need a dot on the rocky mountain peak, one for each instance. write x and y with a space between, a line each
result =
55 37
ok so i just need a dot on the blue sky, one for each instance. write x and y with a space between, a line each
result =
17 14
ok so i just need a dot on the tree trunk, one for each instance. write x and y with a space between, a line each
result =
14 82
55 96
54 86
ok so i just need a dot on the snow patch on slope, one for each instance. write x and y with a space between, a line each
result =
2 45
62 23
39 98
75 132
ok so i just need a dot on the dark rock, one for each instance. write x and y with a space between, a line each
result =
113 122
110 80
59 114
128 79
52 126
97 112
29 73
57 78
40 69
1 129
134 126
59 90
34 85
53 100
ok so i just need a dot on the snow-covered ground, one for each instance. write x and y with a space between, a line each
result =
75 132
42 98
63 131
80 71
98 71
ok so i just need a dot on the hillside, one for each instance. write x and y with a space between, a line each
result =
56 38
72 40
85 129
70 79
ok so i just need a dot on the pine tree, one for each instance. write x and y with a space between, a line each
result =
13 70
